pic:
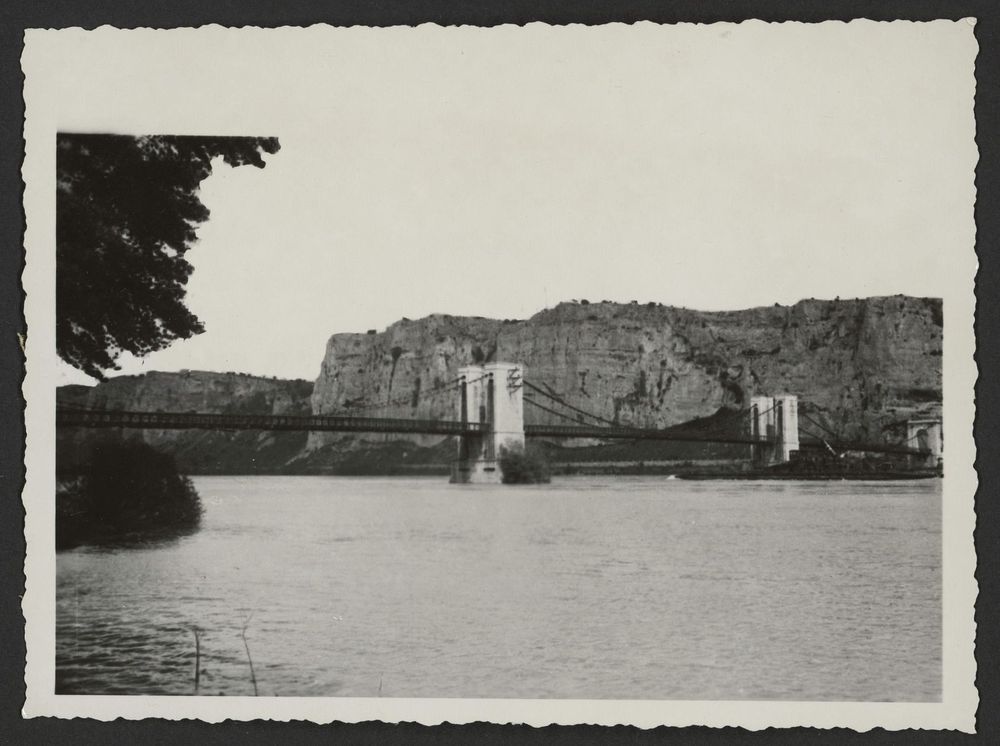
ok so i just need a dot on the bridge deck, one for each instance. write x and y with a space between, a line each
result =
679 435
348 424
611 432
857 445
308 423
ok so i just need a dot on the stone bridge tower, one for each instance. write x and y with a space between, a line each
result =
774 420
490 394
927 434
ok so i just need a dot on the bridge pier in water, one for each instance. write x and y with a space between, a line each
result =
490 394
774 422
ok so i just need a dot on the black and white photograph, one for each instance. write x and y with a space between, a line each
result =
522 374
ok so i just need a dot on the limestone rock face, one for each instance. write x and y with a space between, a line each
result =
858 366
408 371
200 391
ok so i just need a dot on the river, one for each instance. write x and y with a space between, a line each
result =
614 587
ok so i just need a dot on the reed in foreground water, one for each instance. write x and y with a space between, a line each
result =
246 646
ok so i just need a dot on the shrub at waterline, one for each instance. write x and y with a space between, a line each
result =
520 465
127 491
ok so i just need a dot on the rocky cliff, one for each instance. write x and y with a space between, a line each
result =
859 367
195 391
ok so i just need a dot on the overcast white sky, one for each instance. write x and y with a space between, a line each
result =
499 172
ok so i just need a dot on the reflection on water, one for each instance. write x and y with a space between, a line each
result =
591 587
146 539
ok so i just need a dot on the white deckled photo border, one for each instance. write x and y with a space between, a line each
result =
62 70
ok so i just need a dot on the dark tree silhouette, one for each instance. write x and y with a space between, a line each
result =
127 208
127 489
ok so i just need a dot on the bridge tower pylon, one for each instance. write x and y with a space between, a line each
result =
927 434
774 422
491 395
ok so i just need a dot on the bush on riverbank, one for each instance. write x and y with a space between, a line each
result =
127 491
519 465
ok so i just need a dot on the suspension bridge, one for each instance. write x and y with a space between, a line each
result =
489 403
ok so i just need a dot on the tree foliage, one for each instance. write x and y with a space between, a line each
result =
127 211
128 489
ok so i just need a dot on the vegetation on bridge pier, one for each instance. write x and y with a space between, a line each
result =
524 465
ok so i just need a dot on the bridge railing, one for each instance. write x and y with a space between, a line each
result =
632 433
615 432
311 423
856 445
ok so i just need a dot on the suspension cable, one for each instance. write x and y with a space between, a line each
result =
715 427
814 436
402 400
534 403
817 424
724 421
559 400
